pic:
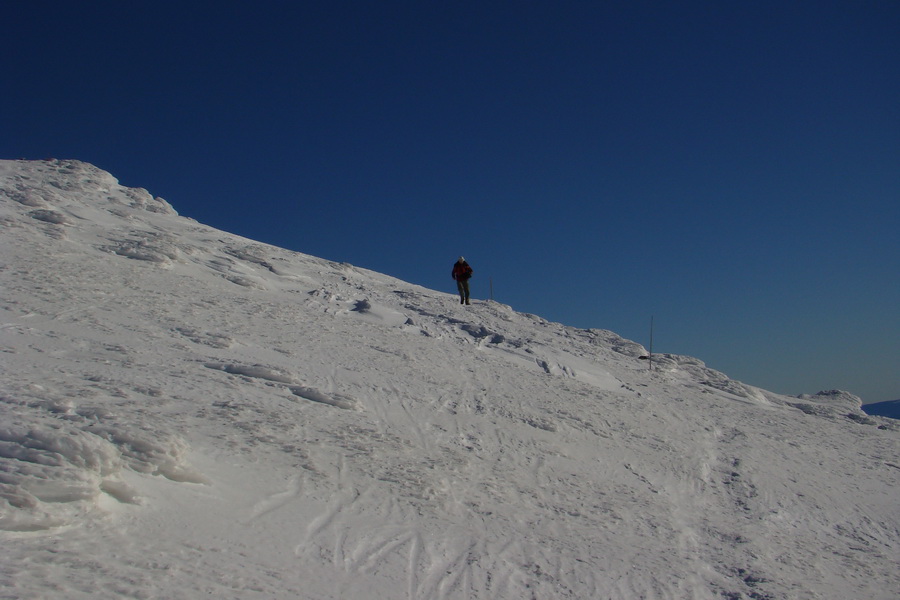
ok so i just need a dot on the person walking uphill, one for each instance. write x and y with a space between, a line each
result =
461 273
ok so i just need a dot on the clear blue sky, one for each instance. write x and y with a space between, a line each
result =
731 168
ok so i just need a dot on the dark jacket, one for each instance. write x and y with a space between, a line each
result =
461 271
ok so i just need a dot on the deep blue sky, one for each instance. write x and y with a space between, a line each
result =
730 168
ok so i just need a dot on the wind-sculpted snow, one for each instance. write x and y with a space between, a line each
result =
314 395
57 459
257 371
185 413
278 376
50 216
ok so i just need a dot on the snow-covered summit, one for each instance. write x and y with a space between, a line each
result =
188 413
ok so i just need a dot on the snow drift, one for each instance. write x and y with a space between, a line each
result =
186 413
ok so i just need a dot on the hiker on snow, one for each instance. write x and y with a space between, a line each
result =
461 273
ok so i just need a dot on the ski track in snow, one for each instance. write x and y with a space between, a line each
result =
187 413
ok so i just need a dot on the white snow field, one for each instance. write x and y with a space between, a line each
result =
185 413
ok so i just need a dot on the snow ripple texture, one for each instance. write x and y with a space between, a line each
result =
185 413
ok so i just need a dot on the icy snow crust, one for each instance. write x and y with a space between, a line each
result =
185 413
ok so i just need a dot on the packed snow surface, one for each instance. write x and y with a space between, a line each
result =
185 413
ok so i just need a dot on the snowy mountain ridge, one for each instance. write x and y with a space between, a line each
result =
187 412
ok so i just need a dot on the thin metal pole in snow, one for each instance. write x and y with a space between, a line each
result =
651 343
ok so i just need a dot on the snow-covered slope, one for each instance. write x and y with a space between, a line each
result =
185 413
